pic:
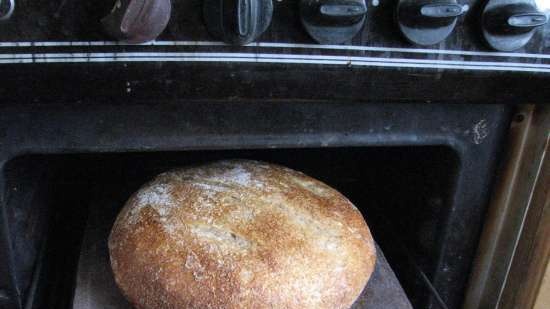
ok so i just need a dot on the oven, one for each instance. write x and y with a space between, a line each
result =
419 139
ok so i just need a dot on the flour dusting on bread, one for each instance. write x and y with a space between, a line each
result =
158 196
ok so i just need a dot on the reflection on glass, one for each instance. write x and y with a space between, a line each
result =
543 5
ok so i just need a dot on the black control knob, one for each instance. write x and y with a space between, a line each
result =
426 22
137 21
333 21
510 24
6 9
238 22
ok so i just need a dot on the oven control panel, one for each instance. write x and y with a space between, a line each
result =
509 30
242 42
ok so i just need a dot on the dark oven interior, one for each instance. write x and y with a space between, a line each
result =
403 192
419 175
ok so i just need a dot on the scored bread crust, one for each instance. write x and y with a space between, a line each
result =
239 234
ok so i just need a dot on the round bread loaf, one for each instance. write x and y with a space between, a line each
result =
240 234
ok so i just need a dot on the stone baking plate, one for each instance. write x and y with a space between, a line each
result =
96 289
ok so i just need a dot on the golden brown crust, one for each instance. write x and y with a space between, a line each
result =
240 234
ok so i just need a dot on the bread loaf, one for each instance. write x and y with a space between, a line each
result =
240 234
